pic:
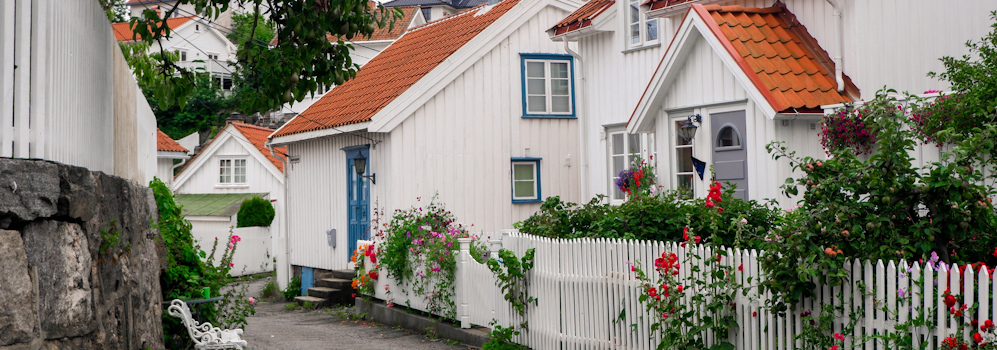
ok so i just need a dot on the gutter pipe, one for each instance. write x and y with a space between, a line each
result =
583 144
839 43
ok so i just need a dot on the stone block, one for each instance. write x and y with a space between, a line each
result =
18 316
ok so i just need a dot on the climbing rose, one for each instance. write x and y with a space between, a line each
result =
977 338
838 336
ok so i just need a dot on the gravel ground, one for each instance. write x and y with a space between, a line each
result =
274 327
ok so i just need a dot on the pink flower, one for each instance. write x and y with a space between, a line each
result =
838 336
744 221
231 264
252 301
385 287
835 347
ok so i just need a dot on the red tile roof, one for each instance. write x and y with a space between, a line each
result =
257 136
165 144
657 4
394 70
778 54
583 16
123 30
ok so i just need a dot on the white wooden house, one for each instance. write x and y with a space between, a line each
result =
443 112
199 44
436 9
759 81
364 49
235 161
170 155
224 19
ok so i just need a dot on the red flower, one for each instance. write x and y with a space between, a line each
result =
698 239
372 274
685 233
754 314
977 338
679 288
709 204
949 299
720 210
740 267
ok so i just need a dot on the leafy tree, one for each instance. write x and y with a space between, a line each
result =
115 10
255 211
303 58
242 30
208 107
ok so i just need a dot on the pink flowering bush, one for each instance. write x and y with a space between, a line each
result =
847 129
419 251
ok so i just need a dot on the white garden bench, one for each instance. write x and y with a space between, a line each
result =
205 335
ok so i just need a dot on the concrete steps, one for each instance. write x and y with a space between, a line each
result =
331 291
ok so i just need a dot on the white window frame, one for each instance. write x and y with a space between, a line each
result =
535 163
231 166
642 23
548 93
646 151
183 55
674 146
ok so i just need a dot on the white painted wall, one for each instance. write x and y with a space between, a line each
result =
252 254
458 146
199 40
190 142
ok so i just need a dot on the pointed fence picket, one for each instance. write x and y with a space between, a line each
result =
587 296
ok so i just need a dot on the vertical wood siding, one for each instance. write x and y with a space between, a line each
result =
458 147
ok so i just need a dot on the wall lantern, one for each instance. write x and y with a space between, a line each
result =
360 166
688 130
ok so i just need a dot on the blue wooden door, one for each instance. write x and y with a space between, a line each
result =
358 204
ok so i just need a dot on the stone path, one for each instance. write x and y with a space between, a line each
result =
274 327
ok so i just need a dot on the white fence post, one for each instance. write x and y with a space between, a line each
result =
463 308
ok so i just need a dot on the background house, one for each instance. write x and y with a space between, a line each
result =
623 66
233 165
136 7
444 113
199 44
170 155
436 9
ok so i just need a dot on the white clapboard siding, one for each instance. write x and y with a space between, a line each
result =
584 285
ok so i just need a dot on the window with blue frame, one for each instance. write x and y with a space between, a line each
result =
548 86
525 180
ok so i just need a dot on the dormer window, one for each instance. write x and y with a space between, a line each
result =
640 29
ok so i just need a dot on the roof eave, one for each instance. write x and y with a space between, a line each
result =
172 154
284 140
601 24
669 11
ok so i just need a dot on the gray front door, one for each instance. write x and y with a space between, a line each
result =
730 154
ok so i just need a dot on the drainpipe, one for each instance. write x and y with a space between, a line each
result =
583 144
284 222
839 43
182 162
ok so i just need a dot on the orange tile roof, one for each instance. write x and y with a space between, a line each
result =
778 54
394 70
583 16
256 135
123 30
166 144
657 4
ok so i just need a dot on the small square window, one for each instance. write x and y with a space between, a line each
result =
525 180
232 171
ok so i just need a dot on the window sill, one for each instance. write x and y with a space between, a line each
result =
549 116
642 47
519 201
231 185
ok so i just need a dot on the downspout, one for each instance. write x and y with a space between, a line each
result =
839 43
175 166
582 142
286 221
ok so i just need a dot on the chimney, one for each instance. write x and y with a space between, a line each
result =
234 118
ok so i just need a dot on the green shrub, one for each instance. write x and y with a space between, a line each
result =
662 217
255 211
293 288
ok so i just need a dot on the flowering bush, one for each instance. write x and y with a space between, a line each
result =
639 178
363 280
847 129
419 251
928 119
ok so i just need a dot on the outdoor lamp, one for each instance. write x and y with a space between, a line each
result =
688 130
360 165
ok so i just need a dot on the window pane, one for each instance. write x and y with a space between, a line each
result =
535 69
559 70
618 165
678 138
537 103
652 29
684 159
522 171
635 144
685 184
535 87
618 143
635 33
617 194
561 104
634 12
559 87
727 138
524 189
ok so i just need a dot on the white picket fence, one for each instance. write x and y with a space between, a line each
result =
584 285
67 93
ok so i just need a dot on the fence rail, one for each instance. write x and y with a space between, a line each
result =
588 297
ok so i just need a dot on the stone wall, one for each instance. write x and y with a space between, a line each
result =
59 287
